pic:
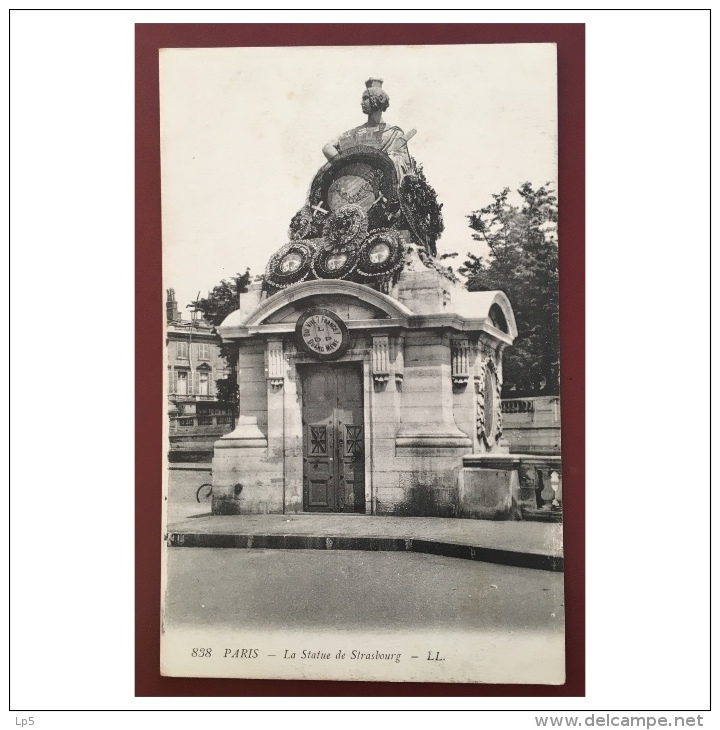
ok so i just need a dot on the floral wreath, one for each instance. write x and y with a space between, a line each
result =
345 227
383 214
319 263
300 225
281 279
391 264
307 223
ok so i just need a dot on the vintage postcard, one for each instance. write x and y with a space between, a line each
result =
363 477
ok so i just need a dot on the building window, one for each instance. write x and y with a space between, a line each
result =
498 319
203 351
182 350
182 383
204 383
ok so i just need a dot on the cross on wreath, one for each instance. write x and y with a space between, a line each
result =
378 199
318 208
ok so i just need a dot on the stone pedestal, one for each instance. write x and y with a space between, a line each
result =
495 487
427 420
429 362
240 473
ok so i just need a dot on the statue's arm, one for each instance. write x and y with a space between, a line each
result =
331 149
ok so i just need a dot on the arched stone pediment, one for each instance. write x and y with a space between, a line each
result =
362 306
493 306
349 309
367 303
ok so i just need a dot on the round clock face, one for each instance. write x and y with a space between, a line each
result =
379 253
322 333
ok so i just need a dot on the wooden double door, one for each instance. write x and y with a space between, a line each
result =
333 438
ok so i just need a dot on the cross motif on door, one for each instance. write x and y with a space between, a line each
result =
354 440
318 440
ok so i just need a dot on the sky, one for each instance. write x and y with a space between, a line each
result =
242 131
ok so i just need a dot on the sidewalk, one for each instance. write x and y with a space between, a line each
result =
522 544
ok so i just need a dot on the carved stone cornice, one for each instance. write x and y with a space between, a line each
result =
460 361
275 364
381 359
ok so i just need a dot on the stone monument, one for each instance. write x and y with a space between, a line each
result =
369 378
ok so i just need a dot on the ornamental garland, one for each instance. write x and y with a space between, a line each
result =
338 244
279 279
394 261
423 213
480 382
333 264
345 227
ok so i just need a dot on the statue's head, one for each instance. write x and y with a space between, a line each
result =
374 98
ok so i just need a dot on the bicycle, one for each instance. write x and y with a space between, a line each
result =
204 493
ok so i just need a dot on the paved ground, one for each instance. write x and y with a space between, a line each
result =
449 619
306 589
498 541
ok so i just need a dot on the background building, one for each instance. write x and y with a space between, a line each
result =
197 418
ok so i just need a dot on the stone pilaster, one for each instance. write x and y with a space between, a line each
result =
427 420
397 355
275 367
239 467
293 457
464 356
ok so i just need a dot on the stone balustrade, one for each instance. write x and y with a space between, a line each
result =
185 423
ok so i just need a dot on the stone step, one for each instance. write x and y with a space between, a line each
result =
516 558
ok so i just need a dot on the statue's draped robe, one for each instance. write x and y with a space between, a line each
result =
390 140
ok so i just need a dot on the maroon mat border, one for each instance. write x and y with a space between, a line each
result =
149 401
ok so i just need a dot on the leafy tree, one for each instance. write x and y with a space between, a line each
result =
220 302
223 299
522 261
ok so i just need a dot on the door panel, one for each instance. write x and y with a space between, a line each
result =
333 438
354 465
319 465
